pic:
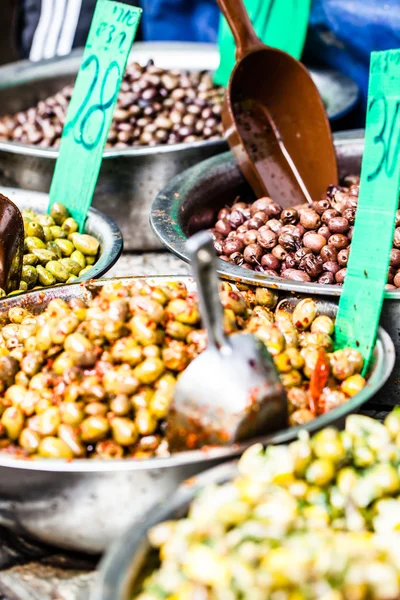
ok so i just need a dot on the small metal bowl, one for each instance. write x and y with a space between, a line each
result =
84 505
98 225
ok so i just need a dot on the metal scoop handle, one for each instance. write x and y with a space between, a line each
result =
242 29
203 261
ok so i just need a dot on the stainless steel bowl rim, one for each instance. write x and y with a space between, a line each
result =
112 235
159 149
385 360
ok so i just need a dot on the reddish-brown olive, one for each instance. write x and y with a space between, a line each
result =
260 215
338 240
252 253
350 215
289 215
396 279
295 275
236 219
338 225
328 214
331 266
279 252
288 242
223 213
233 245
223 226
269 261
396 237
321 206
340 275
250 237
329 252
267 238
394 257
274 225
325 231
326 278
255 223
310 219
343 257
261 204
314 241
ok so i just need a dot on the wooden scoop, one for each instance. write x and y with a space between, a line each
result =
275 120
11 245
231 391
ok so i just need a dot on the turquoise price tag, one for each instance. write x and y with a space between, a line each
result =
364 287
90 112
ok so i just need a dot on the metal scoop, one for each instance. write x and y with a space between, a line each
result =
11 245
275 120
231 391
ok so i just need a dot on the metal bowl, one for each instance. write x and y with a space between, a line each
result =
192 200
122 568
129 178
86 504
98 225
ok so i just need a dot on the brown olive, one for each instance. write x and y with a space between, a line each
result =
233 245
331 266
310 219
340 275
270 262
328 215
252 253
339 241
236 218
266 238
343 257
295 275
255 223
338 225
223 226
394 257
250 237
321 206
314 241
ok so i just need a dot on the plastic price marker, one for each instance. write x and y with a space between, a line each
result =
90 112
364 287
279 23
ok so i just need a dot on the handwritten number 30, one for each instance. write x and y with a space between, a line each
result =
379 139
101 106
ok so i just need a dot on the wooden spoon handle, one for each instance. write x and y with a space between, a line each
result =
246 39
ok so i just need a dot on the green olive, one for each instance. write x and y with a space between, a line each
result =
34 243
86 244
57 270
45 277
70 225
30 259
59 213
29 275
53 447
94 428
34 229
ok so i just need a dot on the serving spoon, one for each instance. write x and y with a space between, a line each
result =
275 120
231 391
11 245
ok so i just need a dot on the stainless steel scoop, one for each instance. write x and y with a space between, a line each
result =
232 391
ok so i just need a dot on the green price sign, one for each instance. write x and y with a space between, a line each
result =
364 287
90 112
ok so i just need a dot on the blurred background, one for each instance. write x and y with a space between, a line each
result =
341 33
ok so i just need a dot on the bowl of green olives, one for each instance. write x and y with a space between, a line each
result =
55 252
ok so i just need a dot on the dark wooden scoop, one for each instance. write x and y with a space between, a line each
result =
11 245
275 119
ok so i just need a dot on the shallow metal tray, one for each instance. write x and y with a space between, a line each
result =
129 178
99 225
86 504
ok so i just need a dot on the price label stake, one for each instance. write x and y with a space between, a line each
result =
90 112
364 287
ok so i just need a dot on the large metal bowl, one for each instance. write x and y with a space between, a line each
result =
123 566
86 504
130 178
192 200
99 225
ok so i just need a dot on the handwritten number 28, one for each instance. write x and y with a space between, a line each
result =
87 112
386 139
